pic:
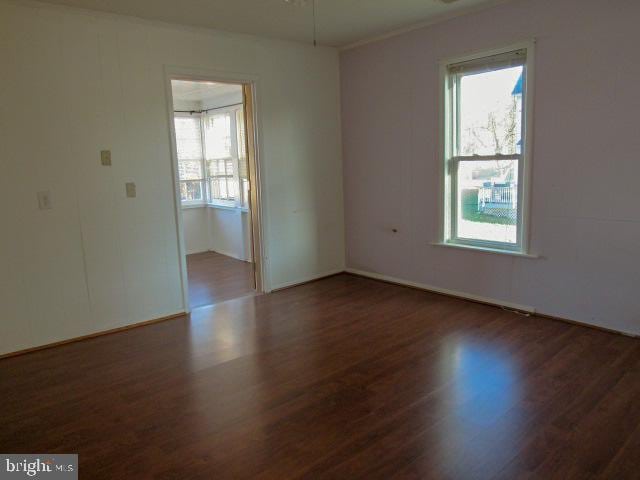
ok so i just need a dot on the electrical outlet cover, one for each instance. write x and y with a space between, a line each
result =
105 158
130 187
44 200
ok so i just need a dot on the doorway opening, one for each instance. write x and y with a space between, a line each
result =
214 152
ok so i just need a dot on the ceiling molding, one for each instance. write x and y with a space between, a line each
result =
417 26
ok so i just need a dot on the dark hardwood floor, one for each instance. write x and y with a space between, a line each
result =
342 378
215 278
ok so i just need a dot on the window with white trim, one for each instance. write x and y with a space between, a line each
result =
190 157
485 103
212 159
221 158
243 161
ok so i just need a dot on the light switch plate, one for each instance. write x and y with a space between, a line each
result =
130 187
105 158
44 200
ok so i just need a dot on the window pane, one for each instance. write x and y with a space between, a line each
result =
491 112
190 169
245 193
219 189
191 191
215 167
223 188
214 186
232 188
242 145
487 200
188 138
229 166
222 185
217 130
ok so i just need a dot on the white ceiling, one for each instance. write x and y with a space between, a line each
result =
339 22
187 91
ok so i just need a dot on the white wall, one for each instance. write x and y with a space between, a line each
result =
230 232
195 223
222 230
585 220
74 83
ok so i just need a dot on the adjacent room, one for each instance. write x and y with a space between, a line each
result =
319 239
213 176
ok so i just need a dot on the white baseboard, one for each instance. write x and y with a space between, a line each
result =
306 279
445 291
226 254
189 252
104 330
229 254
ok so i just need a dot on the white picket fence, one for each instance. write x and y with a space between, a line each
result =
500 200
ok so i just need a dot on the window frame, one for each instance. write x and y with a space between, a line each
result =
450 161
203 179
243 198
235 158
239 203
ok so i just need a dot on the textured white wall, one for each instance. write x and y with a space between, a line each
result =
73 83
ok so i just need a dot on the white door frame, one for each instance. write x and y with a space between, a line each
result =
257 212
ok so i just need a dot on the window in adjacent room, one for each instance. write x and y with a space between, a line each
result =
485 151
221 158
212 159
190 157
243 160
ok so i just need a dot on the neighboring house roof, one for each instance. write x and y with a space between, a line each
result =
517 90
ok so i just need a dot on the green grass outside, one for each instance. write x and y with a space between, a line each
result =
470 210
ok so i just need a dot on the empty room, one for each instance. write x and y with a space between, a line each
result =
213 172
287 239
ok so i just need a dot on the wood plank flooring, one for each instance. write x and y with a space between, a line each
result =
214 278
343 378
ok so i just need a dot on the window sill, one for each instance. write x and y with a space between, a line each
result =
189 206
485 250
227 207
